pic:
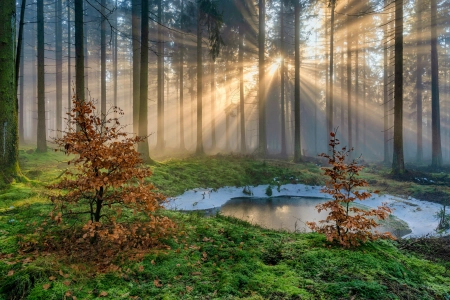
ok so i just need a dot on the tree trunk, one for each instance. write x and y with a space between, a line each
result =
9 140
398 164
436 151
385 91
160 130
41 128
19 70
419 84
103 58
349 87
262 139
330 101
282 87
241 89
182 146
357 111
58 56
213 104
79 50
199 149
115 58
136 45
69 58
143 121
297 132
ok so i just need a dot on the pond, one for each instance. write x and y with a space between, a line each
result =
292 213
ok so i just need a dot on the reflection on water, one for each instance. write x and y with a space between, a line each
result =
288 213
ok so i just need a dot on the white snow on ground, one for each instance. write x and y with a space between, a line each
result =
419 215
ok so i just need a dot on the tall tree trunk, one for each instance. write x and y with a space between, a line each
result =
58 54
160 130
262 138
21 100
385 91
136 45
9 139
182 146
357 111
115 53
227 101
297 132
213 104
364 113
103 58
398 164
199 149
192 95
143 120
436 151
241 89
349 87
331 87
282 84
41 128
79 50
342 100
20 69
419 84
69 58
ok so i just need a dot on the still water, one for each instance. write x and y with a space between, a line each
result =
291 213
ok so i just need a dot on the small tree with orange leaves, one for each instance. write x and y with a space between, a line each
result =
107 178
346 224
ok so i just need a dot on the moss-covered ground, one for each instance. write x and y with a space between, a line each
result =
216 257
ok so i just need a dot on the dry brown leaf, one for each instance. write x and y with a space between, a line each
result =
11 273
46 286
189 289
66 283
157 283
51 278
103 294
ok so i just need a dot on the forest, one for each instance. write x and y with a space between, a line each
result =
224 149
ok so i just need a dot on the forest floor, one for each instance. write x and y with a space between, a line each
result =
221 257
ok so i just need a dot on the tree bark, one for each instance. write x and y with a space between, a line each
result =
436 151
398 164
385 92
241 89
182 145
213 103
262 138
136 45
419 83
9 139
19 70
349 88
41 128
79 50
160 130
331 87
282 84
69 58
199 149
297 132
103 58
58 56
143 121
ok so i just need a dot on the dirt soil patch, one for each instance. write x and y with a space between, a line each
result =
432 248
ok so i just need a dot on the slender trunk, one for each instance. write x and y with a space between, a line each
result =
213 104
192 94
19 50
342 68
182 146
436 151
143 146
228 102
364 113
330 102
58 54
262 139
385 92
241 89
297 132
9 139
103 58
41 128
282 87
349 88
398 164
136 45
115 53
69 58
79 50
357 111
160 130
199 149
419 84
21 99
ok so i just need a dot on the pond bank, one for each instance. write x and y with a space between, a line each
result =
419 215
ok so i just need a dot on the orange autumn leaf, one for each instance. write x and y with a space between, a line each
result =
46 286
103 294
